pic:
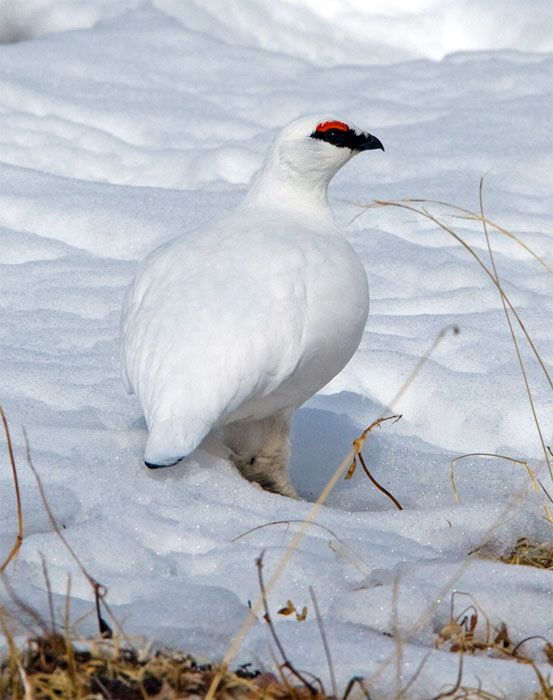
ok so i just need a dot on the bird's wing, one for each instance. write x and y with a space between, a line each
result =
211 321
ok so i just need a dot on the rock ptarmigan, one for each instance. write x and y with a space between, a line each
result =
227 329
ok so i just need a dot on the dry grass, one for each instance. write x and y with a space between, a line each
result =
527 553
52 667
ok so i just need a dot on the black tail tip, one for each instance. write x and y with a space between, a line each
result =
160 466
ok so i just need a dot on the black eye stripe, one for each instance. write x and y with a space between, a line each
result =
339 137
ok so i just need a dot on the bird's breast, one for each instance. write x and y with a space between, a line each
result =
324 294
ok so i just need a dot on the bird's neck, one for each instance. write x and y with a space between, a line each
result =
274 189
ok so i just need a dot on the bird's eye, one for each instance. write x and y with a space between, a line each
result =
335 136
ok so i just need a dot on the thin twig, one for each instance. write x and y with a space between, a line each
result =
285 522
527 639
325 642
396 635
49 591
358 445
423 360
72 666
457 684
19 538
417 673
25 608
359 680
454 461
286 663
511 330
99 590
379 486
475 605
24 681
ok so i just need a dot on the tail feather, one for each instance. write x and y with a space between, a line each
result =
169 442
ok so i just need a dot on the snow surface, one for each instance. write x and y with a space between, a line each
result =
125 123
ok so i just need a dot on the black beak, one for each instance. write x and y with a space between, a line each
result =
369 143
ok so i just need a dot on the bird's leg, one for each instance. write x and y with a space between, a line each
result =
261 451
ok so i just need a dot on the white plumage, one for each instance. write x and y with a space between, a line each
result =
229 328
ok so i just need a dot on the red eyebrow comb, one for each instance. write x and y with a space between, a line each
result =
325 126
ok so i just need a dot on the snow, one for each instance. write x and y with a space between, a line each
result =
124 124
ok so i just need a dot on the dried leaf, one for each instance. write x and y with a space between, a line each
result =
288 609
351 470
502 637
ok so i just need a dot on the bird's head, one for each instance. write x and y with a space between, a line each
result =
305 156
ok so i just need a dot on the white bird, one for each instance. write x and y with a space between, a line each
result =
227 329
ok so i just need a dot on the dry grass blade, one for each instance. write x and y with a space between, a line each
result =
457 685
19 539
506 301
423 360
325 642
535 482
284 522
339 546
28 617
53 624
99 590
12 664
474 216
511 330
468 214
360 441
51 517
447 229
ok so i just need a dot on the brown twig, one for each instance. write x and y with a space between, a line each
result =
49 591
285 522
286 663
527 639
359 680
358 445
379 486
19 538
71 661
457 684
25 608
99 590
325 642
